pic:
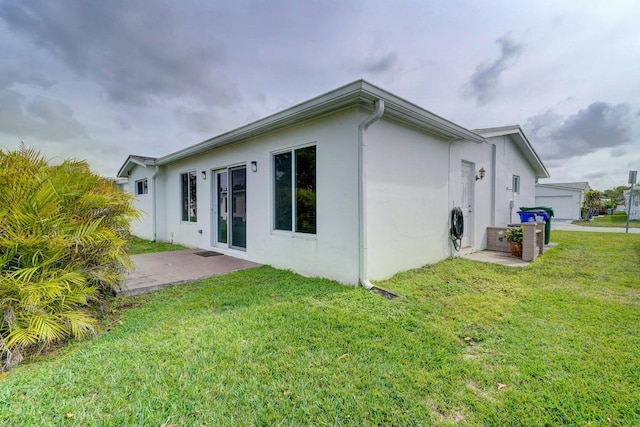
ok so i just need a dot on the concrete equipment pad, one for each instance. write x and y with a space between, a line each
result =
159 270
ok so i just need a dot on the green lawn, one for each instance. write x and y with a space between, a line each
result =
618 219
555 343
142 246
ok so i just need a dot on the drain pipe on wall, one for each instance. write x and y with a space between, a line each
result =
362 190
154 201
494 183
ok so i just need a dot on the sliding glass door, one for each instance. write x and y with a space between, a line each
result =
222 184
238 229
231 207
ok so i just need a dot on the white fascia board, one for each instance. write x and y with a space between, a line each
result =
130 163
521 141
415 115
561 187
356 94
565 189
500 131
531 155
138 162
125 168
323 104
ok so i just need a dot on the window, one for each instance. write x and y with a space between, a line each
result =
142 187
295 190
189 198
516 184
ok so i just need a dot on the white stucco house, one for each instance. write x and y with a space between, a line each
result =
355 185
565 198
635 203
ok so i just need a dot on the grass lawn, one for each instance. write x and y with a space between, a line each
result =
142 246
618 219
554 343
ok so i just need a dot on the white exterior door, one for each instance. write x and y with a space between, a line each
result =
467 180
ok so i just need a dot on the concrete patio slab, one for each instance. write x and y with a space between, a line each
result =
162 269
503 258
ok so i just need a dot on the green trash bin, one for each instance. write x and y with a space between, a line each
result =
547 225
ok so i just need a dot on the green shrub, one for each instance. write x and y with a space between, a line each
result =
63 237
515 234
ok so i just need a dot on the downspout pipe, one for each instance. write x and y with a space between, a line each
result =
154 202
362 190
494 183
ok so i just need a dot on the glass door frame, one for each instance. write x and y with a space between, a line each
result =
215 206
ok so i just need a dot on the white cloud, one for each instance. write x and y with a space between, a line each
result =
484 82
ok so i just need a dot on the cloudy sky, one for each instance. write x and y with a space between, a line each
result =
99 80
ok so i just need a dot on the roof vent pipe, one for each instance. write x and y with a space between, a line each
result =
362 190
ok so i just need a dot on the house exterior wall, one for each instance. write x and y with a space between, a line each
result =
413 182
332 252
407 199
566 203
635 203
143 226
479 156
509 162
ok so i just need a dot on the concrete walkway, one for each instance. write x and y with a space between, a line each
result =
495 257
562 225
159 270
503 258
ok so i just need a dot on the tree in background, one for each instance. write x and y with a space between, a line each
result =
616 194
63 243
592 203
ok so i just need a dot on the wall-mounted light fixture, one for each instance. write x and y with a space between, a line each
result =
204 174
481 172
254 166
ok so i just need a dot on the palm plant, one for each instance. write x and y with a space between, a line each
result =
63 237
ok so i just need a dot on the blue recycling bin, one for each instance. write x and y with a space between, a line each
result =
527 216
542 210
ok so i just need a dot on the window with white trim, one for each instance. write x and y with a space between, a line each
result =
142 187
189 196
295 190
516 184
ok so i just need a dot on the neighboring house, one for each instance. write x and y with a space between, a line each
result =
353 185
635 203
122 184
565 198
139 183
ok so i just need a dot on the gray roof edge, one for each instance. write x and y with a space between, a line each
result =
331 101
409 112
358 93
574 186
522 142
133 159
536 160
497 131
